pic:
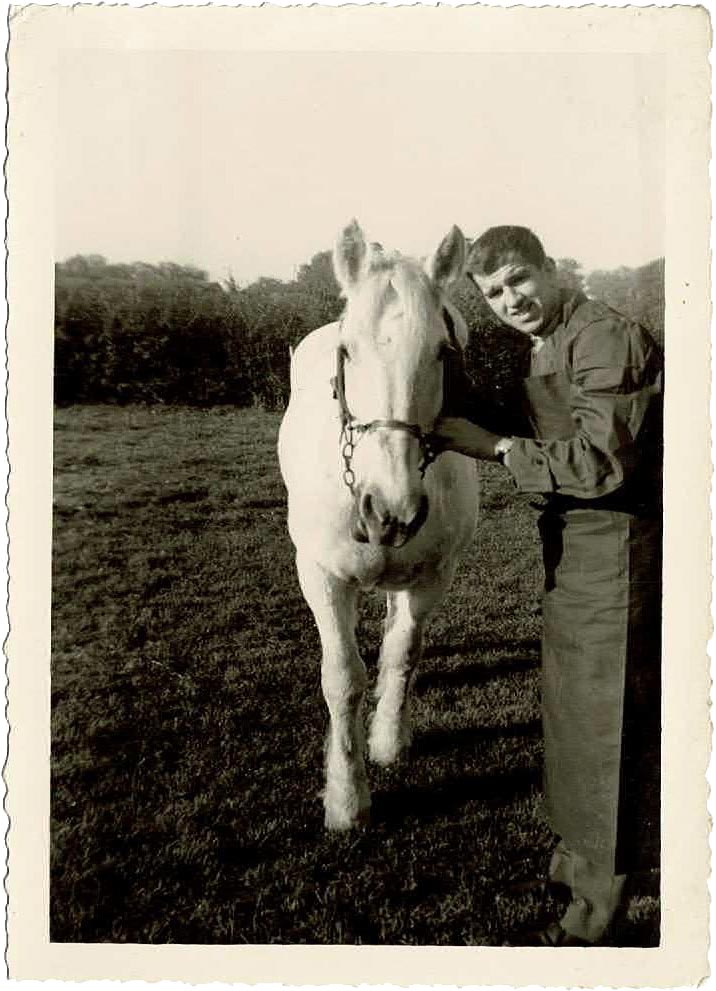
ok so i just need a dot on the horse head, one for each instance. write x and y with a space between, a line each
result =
396 332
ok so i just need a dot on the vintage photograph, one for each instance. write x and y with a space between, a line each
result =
359 363
199 242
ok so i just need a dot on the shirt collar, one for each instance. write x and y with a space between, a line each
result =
562 314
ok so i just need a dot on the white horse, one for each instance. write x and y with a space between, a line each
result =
367 508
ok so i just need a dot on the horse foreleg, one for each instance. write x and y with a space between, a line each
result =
390 731
343 678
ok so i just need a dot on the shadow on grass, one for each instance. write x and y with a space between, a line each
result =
234 853
474 674
433 801
263 503
477 646
640 925
435 742
183 496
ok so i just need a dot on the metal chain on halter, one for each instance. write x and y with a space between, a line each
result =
347 450
349 440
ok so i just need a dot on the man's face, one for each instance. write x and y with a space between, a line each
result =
520 294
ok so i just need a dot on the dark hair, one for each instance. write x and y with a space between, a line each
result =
499 244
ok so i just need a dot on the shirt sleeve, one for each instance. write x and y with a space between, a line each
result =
614 370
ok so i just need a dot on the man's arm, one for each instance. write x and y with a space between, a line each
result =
615 370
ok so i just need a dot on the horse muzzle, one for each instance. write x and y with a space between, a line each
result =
375 523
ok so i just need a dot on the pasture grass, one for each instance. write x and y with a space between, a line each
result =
188 719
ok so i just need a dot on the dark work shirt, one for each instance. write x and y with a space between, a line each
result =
594 398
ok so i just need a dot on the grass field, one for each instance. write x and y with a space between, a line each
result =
188 719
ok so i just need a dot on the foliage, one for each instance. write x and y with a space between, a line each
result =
570 274
637 293
167 334
276 316
188 718
157 333
496 360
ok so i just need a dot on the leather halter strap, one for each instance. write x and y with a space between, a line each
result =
339 392
350 426
338 383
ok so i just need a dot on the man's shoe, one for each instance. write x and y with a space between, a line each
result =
552 935
556 935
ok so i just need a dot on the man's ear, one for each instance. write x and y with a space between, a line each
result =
549 265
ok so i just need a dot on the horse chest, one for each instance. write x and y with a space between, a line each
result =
372 567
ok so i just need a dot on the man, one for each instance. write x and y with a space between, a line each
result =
593 397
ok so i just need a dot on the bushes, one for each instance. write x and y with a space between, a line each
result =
167 334
137 333
638 293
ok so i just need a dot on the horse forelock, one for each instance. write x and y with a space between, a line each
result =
395 282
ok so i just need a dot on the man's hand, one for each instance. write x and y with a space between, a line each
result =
455 434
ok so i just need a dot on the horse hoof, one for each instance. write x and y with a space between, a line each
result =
388 749
385 758
341 820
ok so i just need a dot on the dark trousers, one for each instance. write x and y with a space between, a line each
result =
601 650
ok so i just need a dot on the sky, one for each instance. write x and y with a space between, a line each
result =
247 164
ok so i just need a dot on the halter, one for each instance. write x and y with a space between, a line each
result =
352 430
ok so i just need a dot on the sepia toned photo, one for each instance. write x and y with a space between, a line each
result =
360 623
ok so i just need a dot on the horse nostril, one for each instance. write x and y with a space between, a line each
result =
366 506
389 531
358 528
419 518
359 532
374 510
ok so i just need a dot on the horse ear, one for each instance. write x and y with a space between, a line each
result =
472 253
350 255
448 262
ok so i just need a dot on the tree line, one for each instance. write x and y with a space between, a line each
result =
168 334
